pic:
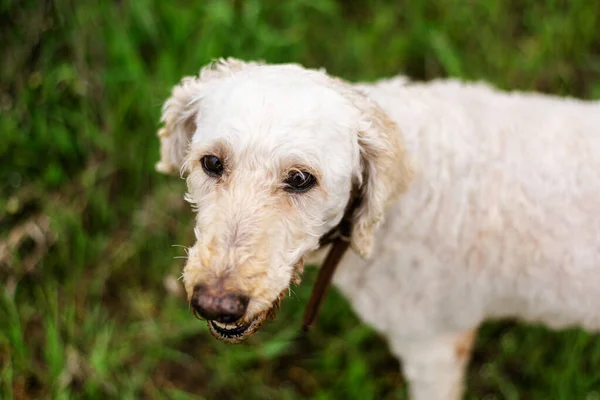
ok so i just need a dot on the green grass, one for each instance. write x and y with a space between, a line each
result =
87 308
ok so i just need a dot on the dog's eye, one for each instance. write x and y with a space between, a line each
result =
298 181
212 165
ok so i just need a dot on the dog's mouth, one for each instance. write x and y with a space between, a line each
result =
239 332
236 333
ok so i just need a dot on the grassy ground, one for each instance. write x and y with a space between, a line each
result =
89 303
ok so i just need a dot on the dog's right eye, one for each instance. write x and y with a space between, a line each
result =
212 165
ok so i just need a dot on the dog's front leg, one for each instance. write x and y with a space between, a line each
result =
435 366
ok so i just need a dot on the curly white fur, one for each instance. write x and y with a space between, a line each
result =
501 218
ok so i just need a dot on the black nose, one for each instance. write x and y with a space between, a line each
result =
217 305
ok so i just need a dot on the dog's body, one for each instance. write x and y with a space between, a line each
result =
501 220
499 214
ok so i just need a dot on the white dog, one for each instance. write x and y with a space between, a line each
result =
474 204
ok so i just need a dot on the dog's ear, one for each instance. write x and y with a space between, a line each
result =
385 173
180 111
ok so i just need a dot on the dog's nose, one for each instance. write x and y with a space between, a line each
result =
216 305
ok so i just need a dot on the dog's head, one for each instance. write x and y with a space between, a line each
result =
271 154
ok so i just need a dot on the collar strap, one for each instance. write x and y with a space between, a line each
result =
339 238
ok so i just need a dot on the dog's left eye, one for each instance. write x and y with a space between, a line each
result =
298 181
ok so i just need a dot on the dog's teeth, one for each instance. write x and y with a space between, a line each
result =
225 326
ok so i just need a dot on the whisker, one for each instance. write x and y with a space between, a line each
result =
185 248
291 291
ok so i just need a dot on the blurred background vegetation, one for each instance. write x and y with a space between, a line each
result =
90 305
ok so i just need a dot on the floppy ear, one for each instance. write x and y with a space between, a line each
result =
179 112
385 173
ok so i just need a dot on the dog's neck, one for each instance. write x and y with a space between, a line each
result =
339 238
343 230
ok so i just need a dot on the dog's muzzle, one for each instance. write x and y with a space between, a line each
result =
224 312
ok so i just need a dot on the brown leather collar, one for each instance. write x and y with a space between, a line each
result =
339 238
